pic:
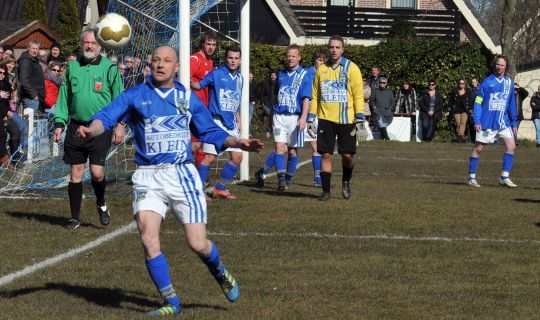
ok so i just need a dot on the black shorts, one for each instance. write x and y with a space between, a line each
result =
326 137
77 151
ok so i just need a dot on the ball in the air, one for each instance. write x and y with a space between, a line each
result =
113 31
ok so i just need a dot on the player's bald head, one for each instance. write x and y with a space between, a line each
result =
166 50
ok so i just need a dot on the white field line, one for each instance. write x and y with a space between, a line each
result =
69 254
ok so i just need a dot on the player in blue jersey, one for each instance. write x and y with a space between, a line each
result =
225 84
290 115
495 116
162 114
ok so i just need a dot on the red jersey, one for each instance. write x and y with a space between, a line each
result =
200 66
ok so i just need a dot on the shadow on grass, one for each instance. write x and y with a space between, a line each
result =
527 200
292 194
537 224
45 218
104 297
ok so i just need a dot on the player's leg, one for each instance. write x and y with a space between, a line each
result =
227 174
347 149
292 163
97 153
326 141
204 167
260 174
316 162
474 160
296 140
149 223
508 158
280 150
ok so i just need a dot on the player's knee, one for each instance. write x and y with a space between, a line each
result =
199 245
151 244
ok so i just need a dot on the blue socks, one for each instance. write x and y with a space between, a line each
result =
159 272
280 165
269 163
227 174
292 163
507 165
316 162
213 262
204 170
473 166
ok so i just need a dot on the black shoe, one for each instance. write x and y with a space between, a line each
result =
72 224
282 186
325 196
346 190
260 177
104 215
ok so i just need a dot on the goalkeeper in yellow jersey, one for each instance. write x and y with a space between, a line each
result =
338 102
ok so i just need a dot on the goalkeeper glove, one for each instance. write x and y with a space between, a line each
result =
311 129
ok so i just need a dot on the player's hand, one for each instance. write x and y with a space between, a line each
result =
301 124
515 131
251 145
83 132
119 134
311 130
478 128
360 129
57 134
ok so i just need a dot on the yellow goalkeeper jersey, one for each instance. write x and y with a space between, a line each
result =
338 92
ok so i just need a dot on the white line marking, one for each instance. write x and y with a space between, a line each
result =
71 253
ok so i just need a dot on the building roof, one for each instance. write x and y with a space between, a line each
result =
23 33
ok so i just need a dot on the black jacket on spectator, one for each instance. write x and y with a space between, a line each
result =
31 78
522 93
535 106
253 92
424 105
4 103
383 104
454 105
268 93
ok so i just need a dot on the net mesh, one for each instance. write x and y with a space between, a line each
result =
153 23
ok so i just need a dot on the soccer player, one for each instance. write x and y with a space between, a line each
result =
201 64
225 93
162 113
90 83
289 121
495 116
338 102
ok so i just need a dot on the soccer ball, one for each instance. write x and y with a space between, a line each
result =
113 31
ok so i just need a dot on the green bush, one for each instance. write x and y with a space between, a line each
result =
68 25
34 10
417 60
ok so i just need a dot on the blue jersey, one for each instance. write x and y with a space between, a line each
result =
495 104
162 120
225 95
293 87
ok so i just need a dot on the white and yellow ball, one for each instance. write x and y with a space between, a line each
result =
113 31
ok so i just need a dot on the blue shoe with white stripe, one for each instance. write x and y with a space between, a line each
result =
166 310
229 286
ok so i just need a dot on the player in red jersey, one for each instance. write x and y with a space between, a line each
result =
201 64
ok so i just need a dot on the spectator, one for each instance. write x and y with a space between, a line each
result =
373 84
430 111
521 94
146 72
383 104
474 87
122 68
535 106
55 53
460 105
1 52
269 99
407 104
367 96
10 67
7 51
53 80
8 125
253 95
31 79
71 57
114 58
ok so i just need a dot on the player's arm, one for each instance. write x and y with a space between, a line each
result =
108 117
315 97
305 92
357 89
61 109
205 82
477 112
511 108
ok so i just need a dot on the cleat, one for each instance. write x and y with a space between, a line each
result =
282 186
167 309
325 196
229 286
317 182
346 190
225 194
104 215
260 177
207 197
72 224
507 182
473 183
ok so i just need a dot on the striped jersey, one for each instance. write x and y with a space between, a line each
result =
225 95
162 120
495 104
338 93
293 87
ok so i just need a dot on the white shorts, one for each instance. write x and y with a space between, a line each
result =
211 149
307 137
286 130
178 187
489 136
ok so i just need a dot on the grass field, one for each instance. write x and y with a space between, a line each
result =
412 243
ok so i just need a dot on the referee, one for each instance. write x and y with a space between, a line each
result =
338 102
91 82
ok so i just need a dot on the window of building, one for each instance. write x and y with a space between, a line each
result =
403 4
341 2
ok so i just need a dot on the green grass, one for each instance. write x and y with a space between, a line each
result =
412 243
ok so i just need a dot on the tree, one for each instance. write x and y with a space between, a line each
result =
507 34
401 29
68 25
34 10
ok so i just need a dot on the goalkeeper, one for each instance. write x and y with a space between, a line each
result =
338 102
